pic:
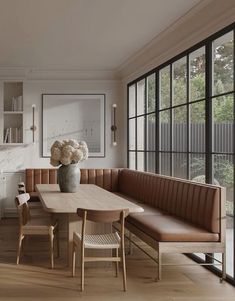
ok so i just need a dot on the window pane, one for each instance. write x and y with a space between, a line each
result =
180 166
151 131
151 93
179 129
132 160
140 97
132 101
140 161
140 133
165 129
224 176
197 127
165 162
179 81
223 63
197 74
164 76
151 158
132 133
197 168
223 123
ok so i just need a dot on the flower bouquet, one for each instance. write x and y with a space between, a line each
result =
67 154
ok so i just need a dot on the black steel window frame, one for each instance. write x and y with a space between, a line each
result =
209 96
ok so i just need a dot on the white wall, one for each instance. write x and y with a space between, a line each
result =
30 155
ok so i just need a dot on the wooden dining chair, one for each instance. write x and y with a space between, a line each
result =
34 226
36 208
100 241
32 205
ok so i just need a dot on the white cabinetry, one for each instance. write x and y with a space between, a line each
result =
12 120
8 191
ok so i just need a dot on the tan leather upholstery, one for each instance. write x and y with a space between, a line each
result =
40 176
193 202
105 178
170 228
175 209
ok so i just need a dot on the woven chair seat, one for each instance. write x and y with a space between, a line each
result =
102 241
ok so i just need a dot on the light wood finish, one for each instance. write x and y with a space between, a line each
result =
34 226
104 241
33 281
88 196
186 247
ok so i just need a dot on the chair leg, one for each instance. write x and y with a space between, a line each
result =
82 268
21 237
223 267
159 276
130 244
58 243
123 266
52 248
73 260
117 264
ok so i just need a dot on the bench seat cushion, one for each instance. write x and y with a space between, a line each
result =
169 229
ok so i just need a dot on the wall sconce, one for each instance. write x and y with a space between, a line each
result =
114 126
33 127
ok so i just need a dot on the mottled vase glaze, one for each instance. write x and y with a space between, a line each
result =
69 177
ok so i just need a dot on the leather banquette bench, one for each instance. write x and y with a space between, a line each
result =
179 216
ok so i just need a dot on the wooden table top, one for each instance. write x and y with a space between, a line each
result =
88 196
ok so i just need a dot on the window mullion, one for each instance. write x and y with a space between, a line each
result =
171 119
188 116
158 133
209 117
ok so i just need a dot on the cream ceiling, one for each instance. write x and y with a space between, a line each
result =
81 34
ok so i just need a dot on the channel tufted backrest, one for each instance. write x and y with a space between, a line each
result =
105 178
193 202
39 176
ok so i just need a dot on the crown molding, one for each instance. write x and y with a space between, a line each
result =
43 74
34 74
184 33
12 73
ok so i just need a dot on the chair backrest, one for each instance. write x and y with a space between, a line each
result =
103 216
21 188
21 201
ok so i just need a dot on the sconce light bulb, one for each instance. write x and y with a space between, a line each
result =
33 106
114 143
114 105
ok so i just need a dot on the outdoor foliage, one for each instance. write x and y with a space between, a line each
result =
222 106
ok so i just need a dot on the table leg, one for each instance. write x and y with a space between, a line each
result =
73 225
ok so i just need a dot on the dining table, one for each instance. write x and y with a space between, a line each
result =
87 196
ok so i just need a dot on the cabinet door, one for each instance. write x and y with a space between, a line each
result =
8 183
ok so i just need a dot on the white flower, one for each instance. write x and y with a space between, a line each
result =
83 143
77 155
73 143
54 162
55 153
57 144
85 152
68 151
65 161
